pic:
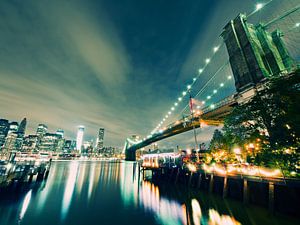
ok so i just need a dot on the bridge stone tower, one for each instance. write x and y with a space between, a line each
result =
254 54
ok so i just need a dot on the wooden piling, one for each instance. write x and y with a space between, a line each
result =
271 197
225 187
245 192
211 183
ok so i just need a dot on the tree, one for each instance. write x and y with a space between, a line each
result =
217 142
271 114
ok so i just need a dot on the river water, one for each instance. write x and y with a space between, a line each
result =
114 193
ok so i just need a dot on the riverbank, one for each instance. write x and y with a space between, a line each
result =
278 196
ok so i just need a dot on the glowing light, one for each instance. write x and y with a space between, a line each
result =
197 214
198 106
172 108
208 97
259 6
216 48
169 112
237 151
176 104
215 91
203 102
184 93
200 71
222 84
167 116
297 25
207 60
25 204
194 79
229 77
69 188
179 99
192 167
189 87
164 119
212 106
79 137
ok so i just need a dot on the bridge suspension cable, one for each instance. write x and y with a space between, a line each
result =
207 63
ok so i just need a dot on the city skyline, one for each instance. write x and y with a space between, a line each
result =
13 135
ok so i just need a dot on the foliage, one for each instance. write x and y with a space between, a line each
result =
272 117
272 114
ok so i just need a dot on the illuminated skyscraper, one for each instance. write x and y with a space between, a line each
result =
100 139
20 135
29 143
79 138
41 130
60 132
22 126
13 127
4 127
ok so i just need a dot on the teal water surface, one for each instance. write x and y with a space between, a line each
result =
114 193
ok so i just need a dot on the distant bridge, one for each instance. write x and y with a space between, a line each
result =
209 116
254 56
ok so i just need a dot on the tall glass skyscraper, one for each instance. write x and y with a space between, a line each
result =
4 127
100 139
79 138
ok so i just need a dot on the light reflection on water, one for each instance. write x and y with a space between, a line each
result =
25 205
112 193
69 188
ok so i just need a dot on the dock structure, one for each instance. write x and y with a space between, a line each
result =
267 189
24 170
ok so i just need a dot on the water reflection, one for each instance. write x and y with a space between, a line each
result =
25 205
197 214
167 211
69 189
112 193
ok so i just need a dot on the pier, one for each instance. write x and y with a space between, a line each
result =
23 169
269 189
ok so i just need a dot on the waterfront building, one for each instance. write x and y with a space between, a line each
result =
10 142
79 138
49 142
88 146
107 151
4 127
30 143
100 139
67 146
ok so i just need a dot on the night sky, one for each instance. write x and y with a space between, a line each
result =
113 64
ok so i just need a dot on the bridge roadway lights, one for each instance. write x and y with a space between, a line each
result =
130 155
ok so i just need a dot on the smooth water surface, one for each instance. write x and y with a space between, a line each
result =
114 193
